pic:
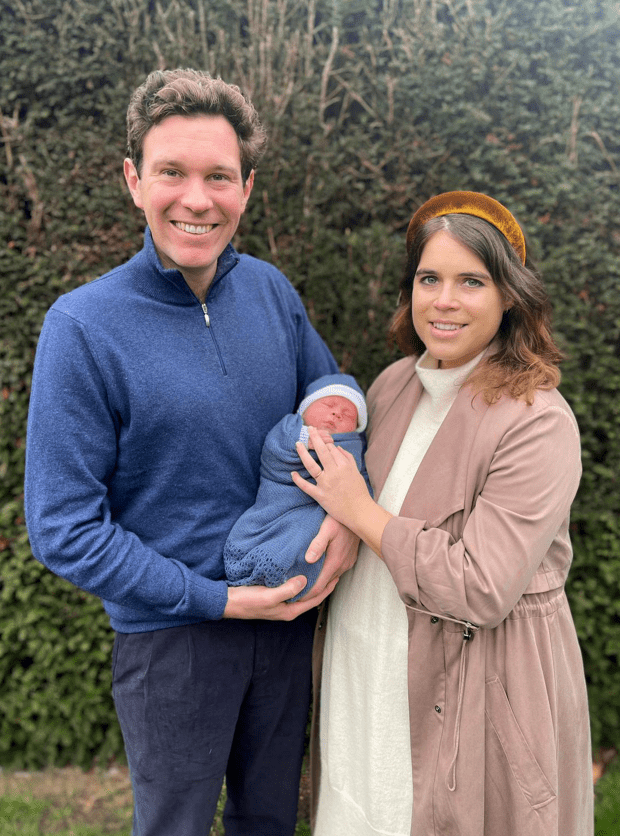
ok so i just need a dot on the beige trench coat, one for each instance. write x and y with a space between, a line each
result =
500 734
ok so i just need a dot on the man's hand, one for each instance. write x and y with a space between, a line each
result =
271 604
341 546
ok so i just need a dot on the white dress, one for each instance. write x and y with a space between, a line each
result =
366 785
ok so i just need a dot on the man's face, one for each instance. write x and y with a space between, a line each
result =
191 191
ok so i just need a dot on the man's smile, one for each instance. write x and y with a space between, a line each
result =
193 229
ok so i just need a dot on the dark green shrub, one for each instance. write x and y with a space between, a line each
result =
372 106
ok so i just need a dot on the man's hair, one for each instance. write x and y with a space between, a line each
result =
187 92
526 358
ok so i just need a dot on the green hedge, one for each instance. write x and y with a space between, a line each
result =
372 106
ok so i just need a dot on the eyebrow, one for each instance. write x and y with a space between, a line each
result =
470 274
172 163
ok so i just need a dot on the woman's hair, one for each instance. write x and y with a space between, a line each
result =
526 358
192 93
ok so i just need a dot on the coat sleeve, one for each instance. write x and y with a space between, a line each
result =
520 515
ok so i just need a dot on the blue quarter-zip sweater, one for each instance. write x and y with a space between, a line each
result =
147 418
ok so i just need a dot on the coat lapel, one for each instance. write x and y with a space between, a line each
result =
440 486
443 480
390 415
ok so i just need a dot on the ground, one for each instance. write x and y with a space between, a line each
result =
99 798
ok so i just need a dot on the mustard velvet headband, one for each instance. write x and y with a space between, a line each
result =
470 203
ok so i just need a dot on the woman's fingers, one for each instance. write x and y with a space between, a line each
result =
312 466
324 449
332 462
303 484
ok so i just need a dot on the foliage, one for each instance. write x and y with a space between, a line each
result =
372 106
607 802
20 815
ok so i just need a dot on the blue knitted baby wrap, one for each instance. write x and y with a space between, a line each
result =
267 544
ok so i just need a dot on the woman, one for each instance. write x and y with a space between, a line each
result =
453 683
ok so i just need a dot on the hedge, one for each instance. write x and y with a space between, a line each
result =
372 106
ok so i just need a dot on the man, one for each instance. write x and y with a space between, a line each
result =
153 391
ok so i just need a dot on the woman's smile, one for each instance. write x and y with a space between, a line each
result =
456 306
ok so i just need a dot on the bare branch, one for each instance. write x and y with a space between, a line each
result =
325 79
571 149
596 137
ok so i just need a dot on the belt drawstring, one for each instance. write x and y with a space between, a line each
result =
451 779
468 634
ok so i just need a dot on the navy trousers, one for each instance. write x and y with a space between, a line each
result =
221 698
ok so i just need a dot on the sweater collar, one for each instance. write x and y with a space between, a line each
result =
160 277
443 384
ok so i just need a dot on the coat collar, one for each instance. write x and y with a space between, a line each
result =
438 488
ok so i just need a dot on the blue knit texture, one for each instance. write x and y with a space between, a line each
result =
146 427
268 542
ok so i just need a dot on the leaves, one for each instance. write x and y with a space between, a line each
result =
372 106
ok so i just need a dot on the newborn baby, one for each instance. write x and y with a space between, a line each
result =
267 544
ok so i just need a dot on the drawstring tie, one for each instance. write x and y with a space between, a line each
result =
468 635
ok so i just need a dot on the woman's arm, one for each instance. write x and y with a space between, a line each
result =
518 527
522 509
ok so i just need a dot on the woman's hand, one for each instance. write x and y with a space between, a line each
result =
341 490
325 436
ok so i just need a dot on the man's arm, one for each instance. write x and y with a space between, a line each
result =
71 456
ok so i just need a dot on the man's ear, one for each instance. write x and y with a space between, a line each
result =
133 182
247 188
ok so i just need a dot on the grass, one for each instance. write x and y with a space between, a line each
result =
69 802
607 802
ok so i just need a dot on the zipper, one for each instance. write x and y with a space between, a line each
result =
205 313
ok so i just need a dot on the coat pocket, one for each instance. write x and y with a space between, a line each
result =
517 756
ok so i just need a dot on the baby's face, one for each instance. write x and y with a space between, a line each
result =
332 413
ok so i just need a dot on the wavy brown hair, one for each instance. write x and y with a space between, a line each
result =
187 92
527 358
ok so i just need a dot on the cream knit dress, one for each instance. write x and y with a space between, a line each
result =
366 785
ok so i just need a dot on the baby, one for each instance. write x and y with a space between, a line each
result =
267 544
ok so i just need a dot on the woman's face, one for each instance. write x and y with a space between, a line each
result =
457 308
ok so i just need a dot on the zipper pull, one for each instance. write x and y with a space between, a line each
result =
206 315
